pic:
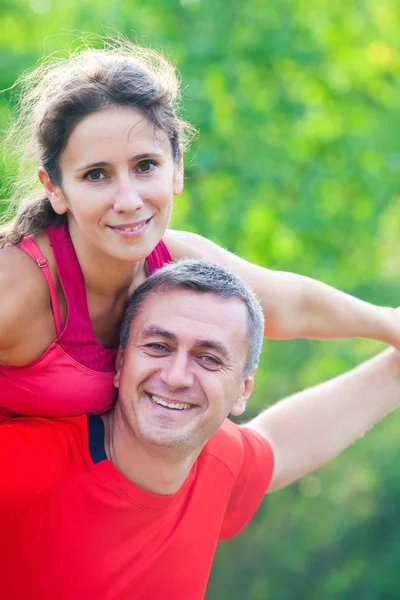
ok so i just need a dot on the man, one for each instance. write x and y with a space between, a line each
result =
131 504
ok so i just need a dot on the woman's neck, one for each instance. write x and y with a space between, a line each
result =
106 276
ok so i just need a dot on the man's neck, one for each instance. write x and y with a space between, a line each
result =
155 469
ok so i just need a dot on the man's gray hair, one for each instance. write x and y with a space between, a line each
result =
205 278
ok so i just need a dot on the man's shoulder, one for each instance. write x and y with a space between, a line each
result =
227 445
36 453
40 431
41 441
249 459
233 444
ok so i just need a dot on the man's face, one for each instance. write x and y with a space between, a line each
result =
182 371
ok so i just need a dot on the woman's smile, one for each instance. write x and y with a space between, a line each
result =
131 230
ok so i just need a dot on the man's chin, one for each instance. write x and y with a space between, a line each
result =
182 440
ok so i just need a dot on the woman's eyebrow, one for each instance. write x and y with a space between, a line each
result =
93 166
135 158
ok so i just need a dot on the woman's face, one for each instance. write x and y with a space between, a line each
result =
118 178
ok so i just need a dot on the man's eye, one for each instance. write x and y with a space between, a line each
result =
210 361
156 347
146 166
94 175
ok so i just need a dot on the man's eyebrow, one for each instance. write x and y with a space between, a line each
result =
155 330
135 158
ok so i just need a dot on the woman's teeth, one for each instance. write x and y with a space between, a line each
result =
131 228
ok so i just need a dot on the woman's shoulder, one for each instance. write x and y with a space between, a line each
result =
24 300
20 277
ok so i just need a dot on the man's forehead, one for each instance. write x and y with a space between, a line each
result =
193 313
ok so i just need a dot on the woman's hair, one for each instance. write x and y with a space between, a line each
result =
58 94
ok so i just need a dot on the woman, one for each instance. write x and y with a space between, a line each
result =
104 133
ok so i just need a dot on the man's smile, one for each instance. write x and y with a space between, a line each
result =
169 403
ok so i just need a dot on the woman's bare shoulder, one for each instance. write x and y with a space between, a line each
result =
24 298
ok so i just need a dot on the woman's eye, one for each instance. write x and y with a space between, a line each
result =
146 166
94 175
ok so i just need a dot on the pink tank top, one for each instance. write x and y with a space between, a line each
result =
75 374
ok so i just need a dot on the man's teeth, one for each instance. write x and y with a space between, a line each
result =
177 405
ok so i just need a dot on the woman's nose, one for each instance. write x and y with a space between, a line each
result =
127 197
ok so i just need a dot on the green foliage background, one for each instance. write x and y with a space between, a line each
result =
296 168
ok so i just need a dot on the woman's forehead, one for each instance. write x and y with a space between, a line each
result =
120 130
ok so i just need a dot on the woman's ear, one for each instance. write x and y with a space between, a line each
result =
53 192
178 175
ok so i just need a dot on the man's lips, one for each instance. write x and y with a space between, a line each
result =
169 403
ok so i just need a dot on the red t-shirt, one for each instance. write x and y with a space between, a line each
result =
73 527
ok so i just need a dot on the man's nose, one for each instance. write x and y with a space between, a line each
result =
127 196
177 372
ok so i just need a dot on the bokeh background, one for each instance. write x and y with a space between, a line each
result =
296 167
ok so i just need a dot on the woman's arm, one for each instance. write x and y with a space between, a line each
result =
296 306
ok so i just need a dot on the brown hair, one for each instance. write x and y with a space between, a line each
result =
60 93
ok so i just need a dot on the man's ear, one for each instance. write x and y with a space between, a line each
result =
245 392
178 175
53 192
118 366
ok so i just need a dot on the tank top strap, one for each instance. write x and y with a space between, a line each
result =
158 258
32 250
78 339
70 274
